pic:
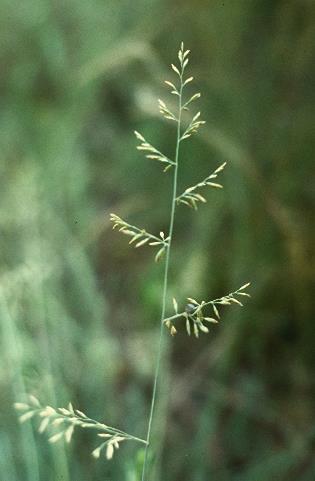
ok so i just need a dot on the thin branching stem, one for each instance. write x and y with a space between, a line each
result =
165 284
66 420
203 305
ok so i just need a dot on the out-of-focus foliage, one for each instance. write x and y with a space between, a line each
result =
80 309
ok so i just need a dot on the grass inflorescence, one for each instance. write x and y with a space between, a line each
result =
196 315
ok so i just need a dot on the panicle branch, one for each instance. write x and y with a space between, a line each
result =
141 236
194 313
152 152
165 111
192 127
190 197
61 423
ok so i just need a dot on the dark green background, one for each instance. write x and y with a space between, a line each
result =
80 308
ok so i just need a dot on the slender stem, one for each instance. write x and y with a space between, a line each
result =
176 316
134 438
165 285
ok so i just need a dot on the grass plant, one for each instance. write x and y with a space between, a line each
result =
196 316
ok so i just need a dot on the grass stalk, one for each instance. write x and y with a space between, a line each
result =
165 284
61 422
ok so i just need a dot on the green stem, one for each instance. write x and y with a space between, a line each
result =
165 286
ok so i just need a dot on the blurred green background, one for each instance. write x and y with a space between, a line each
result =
80 308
